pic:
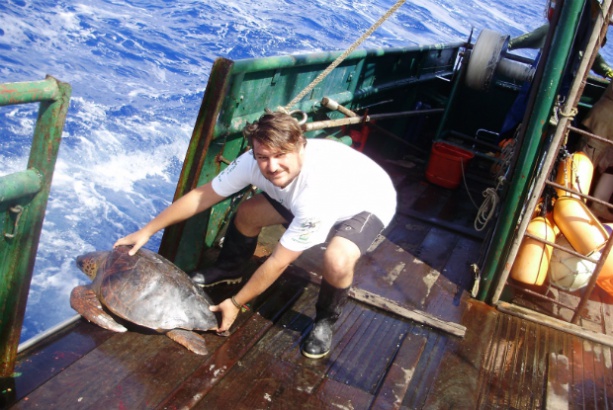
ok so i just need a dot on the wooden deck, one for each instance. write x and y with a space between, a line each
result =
379 360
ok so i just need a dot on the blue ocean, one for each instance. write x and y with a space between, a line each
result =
138 70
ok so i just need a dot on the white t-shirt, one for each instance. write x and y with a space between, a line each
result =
335 183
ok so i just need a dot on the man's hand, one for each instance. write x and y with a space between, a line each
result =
136 239
229 312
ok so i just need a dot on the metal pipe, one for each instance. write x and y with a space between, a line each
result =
335 106
318 125
27 92
20 184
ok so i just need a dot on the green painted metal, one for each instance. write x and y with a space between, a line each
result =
23 210
19 93
176 244
538 121
20 184
238 92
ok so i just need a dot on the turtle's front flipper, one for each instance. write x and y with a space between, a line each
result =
193 341
86 303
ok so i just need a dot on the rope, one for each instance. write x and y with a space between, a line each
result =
342 57
488 207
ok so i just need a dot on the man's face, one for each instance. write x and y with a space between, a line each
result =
278 167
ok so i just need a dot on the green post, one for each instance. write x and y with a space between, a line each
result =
22 209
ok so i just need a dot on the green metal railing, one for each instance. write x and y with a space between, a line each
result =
23 200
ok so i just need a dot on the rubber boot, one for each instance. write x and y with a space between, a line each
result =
235 252
329 308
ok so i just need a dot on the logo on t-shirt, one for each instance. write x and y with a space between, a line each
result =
307 228
226 171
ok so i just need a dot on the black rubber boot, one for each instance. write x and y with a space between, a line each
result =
329 308
235 252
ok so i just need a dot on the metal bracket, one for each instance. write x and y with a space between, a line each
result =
18 210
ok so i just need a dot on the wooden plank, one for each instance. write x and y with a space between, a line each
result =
336 395
464 376
42 362
437 247
558 382
396 383
116 375
577 391
274 374
431 201
398 275
215 368
556 324
415 315
407 233
367 351
602 396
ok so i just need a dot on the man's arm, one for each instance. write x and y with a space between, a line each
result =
194 202
261 280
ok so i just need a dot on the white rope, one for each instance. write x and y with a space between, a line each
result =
488 207
342 57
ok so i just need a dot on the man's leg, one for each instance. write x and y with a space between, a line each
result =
352 239
340 258
239 242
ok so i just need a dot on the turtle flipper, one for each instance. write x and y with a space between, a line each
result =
86 303
192 341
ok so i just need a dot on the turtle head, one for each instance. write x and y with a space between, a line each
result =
90 262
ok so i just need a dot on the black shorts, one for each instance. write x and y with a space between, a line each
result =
361 229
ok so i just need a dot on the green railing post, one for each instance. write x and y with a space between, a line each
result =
23 200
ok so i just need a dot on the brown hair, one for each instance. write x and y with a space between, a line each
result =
275 130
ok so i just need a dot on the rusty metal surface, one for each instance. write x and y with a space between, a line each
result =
23 212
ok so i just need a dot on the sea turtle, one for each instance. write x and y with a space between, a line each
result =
145 289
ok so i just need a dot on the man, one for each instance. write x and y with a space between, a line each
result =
315 188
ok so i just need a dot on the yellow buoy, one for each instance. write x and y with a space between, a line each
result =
575 172
532 260
581 228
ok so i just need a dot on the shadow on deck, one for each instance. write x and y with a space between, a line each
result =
379 360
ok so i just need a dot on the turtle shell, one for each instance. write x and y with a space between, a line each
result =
149 290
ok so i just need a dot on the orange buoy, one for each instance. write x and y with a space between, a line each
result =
581 228
532 260
575 172
606 285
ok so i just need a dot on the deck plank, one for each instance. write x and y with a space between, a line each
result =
558 382
400 374
460 382
242 340
35 366
117 374
396 274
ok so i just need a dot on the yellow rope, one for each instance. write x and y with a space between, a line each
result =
340 59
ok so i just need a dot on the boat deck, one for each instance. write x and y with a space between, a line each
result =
380 360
